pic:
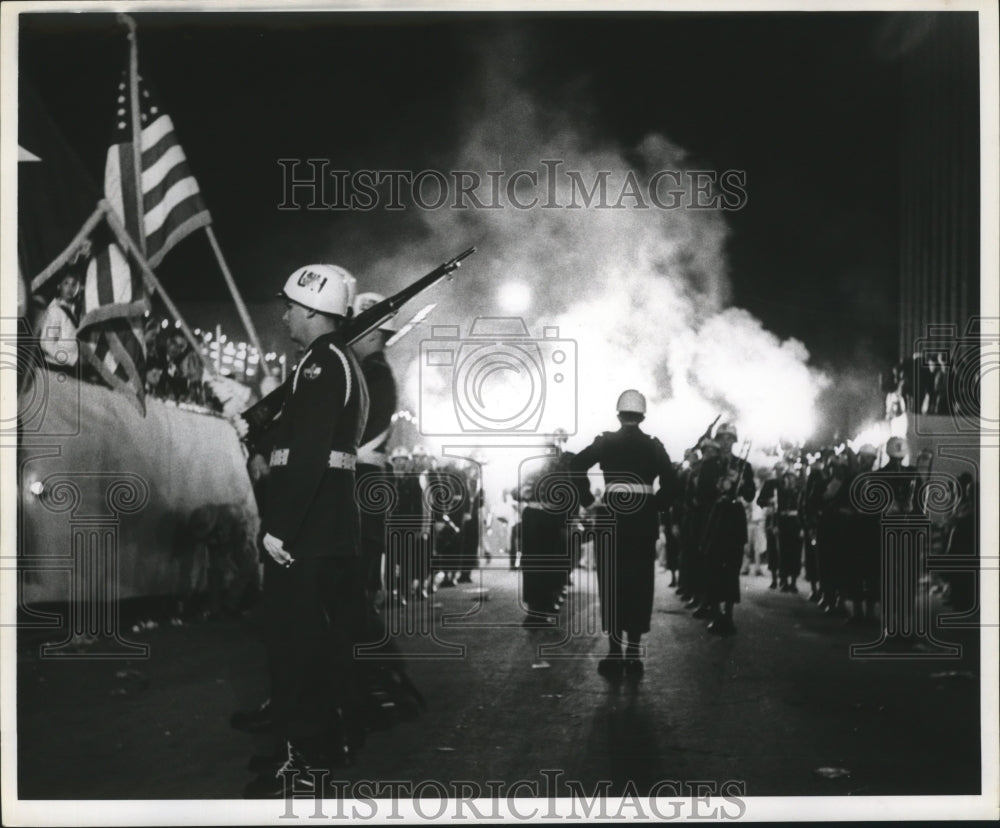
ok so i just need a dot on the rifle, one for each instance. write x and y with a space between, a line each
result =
735 493
708 432
262 413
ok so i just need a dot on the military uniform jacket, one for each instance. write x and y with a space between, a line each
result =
626 457
713 471
309 505
381 406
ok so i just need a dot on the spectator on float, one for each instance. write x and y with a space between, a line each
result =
59 324
177 356
154 377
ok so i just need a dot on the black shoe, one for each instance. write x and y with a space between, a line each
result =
723 625
691 603
702 612
835 611
611 667
814 597
774 585
672 583
634 667
788 588
823 602
253 721
446 582
465 579
297 773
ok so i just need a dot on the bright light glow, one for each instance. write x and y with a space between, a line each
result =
36 488
514 297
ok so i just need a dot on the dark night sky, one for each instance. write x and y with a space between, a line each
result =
805 103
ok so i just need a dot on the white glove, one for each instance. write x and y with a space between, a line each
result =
276 549
241 426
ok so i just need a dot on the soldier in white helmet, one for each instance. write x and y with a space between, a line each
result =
724 482
311 533
631 461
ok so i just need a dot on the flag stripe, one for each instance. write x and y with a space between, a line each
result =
103 277
130 204
152 152
113 288
116 351
200 218
152 134
179 192
153 176
121 348
153 195
113 181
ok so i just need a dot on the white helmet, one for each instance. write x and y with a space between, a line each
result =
631 402
726 428
895 447
868 449
370 299
321 287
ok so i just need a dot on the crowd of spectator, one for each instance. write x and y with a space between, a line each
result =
174 369
922 384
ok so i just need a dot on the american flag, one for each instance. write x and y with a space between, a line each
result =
172 206
111 325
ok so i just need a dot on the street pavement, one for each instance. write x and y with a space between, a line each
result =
766 708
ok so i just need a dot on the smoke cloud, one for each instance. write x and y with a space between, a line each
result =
643 292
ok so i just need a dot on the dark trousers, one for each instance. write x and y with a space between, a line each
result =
831 542
313 612
372 550
540 536
773 542
790 545
626 573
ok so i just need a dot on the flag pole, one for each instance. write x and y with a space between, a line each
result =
237 298
137 152
152 282
133 85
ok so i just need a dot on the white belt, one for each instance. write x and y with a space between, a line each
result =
372 458
337 460
630 488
